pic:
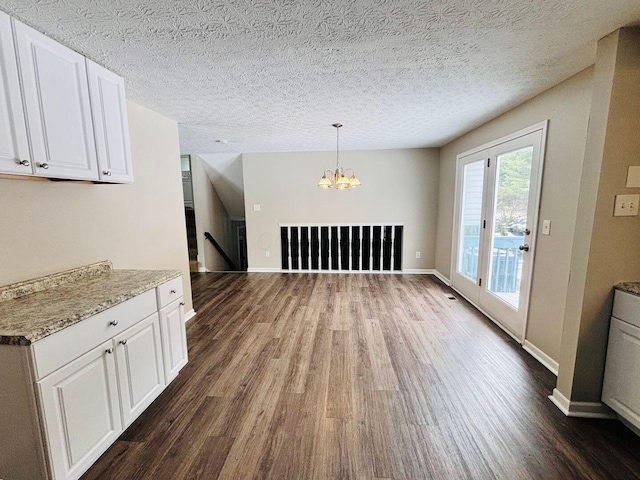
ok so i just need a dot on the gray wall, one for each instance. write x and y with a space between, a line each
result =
212 217
605 249
397 186
48 226
567 108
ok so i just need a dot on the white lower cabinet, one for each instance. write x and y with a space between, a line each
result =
621 389
174 339
140 371
69 396
81 411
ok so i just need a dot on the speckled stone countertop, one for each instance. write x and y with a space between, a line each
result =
32 310
629 287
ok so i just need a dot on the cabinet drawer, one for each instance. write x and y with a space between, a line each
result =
169 292
66 345
626 307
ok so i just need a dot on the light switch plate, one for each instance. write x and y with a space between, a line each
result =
633 177
626 206
256 207
546 227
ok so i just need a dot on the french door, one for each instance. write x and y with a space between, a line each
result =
497 198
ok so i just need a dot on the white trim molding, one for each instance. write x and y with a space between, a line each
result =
264 270
581 409
189 315
203 270
542 357
427 271
442 278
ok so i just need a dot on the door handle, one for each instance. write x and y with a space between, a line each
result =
524 247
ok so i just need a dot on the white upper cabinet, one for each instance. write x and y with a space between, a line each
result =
56 98
14 149
110 122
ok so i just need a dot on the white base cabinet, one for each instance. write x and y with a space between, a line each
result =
69 396
174 339
621 385
81 411
140 371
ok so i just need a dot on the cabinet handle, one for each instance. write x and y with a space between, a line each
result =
44 165
24 162
172 291
123 342
182 304
113 322
109 350
107 173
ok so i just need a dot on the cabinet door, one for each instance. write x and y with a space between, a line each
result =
81 411
109 109
56 97
140 369
621 388
174 339
14 149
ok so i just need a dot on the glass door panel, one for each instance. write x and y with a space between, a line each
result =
510 220
470 219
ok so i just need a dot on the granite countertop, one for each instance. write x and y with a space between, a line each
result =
629 287
32 310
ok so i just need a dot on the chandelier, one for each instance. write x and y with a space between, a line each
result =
338 178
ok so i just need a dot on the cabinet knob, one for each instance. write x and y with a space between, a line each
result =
172 291
113 322
109 350
182 303
44 165
24 162
123 342
107 173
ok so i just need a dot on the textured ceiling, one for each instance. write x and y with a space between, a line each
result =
274 75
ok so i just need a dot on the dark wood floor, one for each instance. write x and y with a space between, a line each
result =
316 376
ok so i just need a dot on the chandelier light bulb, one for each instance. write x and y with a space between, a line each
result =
338 179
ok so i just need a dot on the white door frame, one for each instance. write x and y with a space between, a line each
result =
541 126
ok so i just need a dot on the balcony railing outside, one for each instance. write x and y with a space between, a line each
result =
506 262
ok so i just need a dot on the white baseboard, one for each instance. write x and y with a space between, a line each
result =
542 357
442 278
189 315
427 271
580 409
203 270
488 315
264 270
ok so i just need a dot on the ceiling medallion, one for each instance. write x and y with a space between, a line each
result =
338 179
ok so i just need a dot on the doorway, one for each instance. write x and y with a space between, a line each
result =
497 200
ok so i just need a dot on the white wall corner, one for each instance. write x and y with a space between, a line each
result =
581 409
542 357
189 315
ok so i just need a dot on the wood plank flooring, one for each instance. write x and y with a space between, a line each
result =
325 376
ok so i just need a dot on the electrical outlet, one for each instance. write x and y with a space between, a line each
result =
267 253
256 207
626 206
418 254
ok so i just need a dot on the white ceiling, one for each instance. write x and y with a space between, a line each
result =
274 75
